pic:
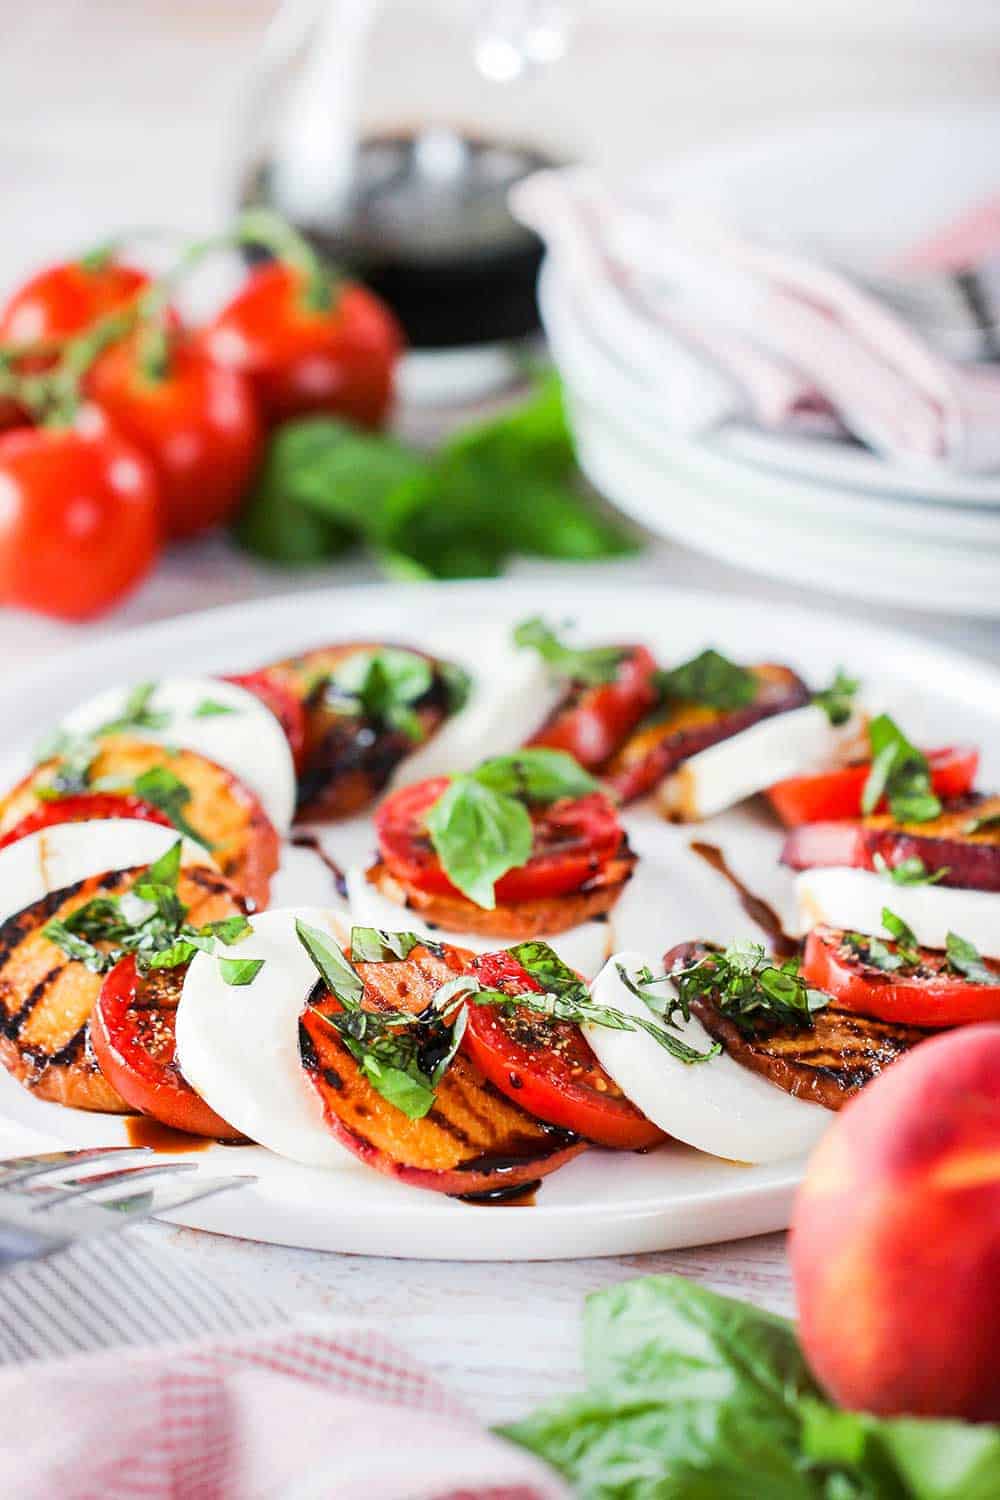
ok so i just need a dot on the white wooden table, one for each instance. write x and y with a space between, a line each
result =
130 123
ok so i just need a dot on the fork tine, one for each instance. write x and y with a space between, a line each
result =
20 1168
80 1187
143 1206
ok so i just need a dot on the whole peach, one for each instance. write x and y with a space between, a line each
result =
895 1242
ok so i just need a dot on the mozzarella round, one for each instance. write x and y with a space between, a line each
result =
56 857
717 1106
511 696
854 899
238 1045
584 948
788 744
245 738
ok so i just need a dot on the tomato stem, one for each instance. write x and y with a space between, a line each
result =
260 227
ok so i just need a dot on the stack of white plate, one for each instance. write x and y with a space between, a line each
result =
810 509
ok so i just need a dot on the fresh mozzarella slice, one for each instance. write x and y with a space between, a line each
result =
718 1106
219 720
238 1045
803 739
511 696
56 857
854 900
584 948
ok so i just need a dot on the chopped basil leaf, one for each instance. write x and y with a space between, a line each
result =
166 869
71 776
871 950
964 958
567 998
334 969
746 985
711 679
78 948
230 930
980 825
136 713
239 971
211 708
478 835
899 773
910 871
147 920
403 1056
591 666
165 790
371 945
383 685
898 929
837 700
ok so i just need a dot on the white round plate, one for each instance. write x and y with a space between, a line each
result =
603 1203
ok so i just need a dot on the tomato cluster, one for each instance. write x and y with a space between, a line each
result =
160 429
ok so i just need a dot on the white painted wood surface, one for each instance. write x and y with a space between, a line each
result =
117 111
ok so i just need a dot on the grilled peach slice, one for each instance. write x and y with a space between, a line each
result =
348 758
665 739
963 843
473 1140
214 805
46 997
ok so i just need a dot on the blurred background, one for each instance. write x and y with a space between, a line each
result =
161 113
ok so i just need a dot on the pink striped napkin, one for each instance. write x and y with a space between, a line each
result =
300 1414
720 327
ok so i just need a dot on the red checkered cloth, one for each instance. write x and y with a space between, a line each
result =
300 1414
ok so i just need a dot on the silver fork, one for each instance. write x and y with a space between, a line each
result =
38 1218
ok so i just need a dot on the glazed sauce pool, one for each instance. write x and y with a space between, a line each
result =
756 908
143 1130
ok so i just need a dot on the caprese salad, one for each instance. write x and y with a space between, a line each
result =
465 1019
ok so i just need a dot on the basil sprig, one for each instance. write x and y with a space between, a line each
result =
746 985
148 920
837 700
690 1395
900 773
710 679
591 666
402 1055
480 827
386 685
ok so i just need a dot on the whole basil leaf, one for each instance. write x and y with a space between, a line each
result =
690 1396
536 775
479 835
709 678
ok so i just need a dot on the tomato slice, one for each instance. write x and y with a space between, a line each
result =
573 841
928 995
84 809
132 1034
828 796
287 708
547 1066
593 722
